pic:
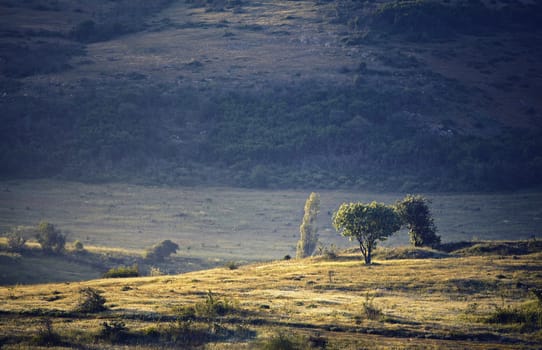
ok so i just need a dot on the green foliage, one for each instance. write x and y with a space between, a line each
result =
50 238
308 229
90 301
367 223
415 214
161 250
122 271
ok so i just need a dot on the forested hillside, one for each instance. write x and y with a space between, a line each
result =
397 95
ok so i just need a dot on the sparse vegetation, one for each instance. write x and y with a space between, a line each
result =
90 301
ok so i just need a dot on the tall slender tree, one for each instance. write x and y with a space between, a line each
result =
308 229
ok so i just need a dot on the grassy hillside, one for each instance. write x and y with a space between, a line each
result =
462 302
273 93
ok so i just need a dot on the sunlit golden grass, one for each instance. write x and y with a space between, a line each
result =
443 300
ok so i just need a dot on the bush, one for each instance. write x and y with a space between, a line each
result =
78 246
232 265
161 250
46 335
122 271
91 300
16 241
114 331
50 238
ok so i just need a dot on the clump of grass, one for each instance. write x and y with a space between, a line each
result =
281 341
329 252
370 310
528 315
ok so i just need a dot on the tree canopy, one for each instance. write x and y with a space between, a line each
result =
416 215
367 223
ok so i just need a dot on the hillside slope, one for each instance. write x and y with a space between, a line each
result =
273 93
445 303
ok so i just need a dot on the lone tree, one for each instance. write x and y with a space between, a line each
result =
415 214
50 238
308 229
161 250
368 223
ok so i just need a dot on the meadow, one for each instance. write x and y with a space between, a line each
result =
240 224
245 294
314 303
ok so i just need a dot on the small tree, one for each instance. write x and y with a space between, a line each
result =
367 223
16 240
308 230
415 214
51 239
161 250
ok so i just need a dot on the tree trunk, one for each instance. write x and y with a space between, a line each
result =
366 252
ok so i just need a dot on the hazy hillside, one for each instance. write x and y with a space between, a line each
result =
402 95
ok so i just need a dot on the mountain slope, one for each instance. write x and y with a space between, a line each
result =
273 94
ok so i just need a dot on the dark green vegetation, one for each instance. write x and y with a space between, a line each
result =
416 216
366 223
313 94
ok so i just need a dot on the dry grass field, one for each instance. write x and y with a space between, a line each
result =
402 304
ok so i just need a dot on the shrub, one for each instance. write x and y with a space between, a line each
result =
122 271
46 335
114 331
78 246
232 265
16 241
50 238
90 301
161 250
